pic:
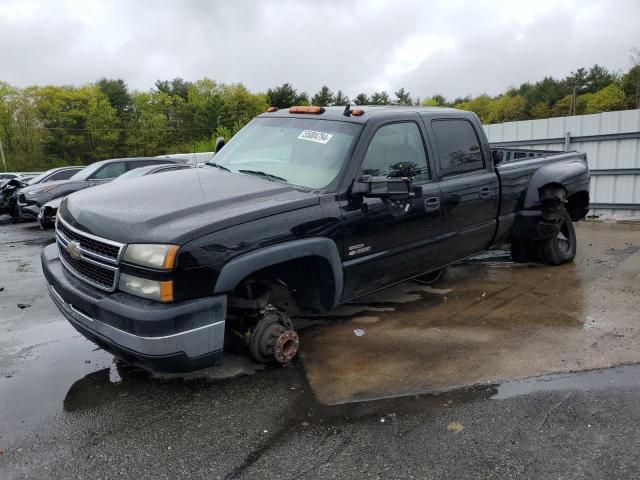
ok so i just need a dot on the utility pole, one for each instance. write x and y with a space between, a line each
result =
574 101
4 160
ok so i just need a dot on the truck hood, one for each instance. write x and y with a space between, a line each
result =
176 207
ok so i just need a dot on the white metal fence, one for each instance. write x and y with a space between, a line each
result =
611 141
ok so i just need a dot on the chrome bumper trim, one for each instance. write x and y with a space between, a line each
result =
193 343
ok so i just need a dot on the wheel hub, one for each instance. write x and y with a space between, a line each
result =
272 340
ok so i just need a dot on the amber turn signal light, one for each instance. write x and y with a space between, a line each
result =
166 291
170 258
306 109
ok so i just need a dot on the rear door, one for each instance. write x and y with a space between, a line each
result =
386 242
469 188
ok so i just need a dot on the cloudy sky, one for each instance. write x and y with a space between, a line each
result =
452 47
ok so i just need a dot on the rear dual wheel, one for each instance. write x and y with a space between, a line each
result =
561 248
555 250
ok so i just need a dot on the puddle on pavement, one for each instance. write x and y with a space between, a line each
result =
311 411
488 320
49 368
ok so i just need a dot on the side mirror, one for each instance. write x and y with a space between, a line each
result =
219 144
395 188
497 156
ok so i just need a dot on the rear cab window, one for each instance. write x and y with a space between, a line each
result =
458 146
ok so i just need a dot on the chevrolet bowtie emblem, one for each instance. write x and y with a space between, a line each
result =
73 249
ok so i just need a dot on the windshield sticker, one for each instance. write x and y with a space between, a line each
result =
313 136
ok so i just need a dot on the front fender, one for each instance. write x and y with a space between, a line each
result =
241 267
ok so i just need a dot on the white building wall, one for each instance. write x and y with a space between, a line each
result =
616 146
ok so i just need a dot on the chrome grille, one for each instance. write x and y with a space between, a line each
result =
99 247
95 260
91 273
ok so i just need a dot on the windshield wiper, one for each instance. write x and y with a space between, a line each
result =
213 164
266 175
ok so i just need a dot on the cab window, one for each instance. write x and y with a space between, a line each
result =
395 147
458 146
110 170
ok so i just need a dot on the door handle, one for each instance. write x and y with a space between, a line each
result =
485 192
431 204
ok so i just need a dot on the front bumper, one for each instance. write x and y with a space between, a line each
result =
181 336
47 217
28 210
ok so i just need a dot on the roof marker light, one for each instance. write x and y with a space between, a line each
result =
272 109
306 109
355 112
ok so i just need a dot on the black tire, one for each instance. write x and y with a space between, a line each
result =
562 247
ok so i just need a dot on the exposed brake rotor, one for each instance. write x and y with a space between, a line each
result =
273 339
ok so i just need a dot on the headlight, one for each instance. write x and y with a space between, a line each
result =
40 190
151 255
142 287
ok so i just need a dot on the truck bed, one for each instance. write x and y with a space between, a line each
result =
522 170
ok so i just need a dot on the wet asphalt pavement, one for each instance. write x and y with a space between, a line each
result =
457 407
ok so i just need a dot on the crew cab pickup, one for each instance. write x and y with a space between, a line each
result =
305 208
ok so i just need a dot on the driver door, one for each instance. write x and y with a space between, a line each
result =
387 242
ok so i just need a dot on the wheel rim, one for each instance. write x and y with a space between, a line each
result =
564 238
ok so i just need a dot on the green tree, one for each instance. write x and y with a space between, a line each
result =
240 106
103 126
149 124
631 80
284 96
206 98
380 98
505 108
178 87
323 98
606 100
340 99
480 105
561 107
541 110
361 99
631 86
403 97
117 92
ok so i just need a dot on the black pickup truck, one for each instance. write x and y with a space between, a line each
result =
302 210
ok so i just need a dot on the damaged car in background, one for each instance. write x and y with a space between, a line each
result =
303 209
32 198
10 188
48 212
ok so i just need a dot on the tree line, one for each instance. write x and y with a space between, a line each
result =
43 127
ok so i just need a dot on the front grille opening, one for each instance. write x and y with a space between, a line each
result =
88 271
95 246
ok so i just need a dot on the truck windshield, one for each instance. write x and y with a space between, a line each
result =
299 151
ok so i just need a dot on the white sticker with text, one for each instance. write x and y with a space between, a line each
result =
313 136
